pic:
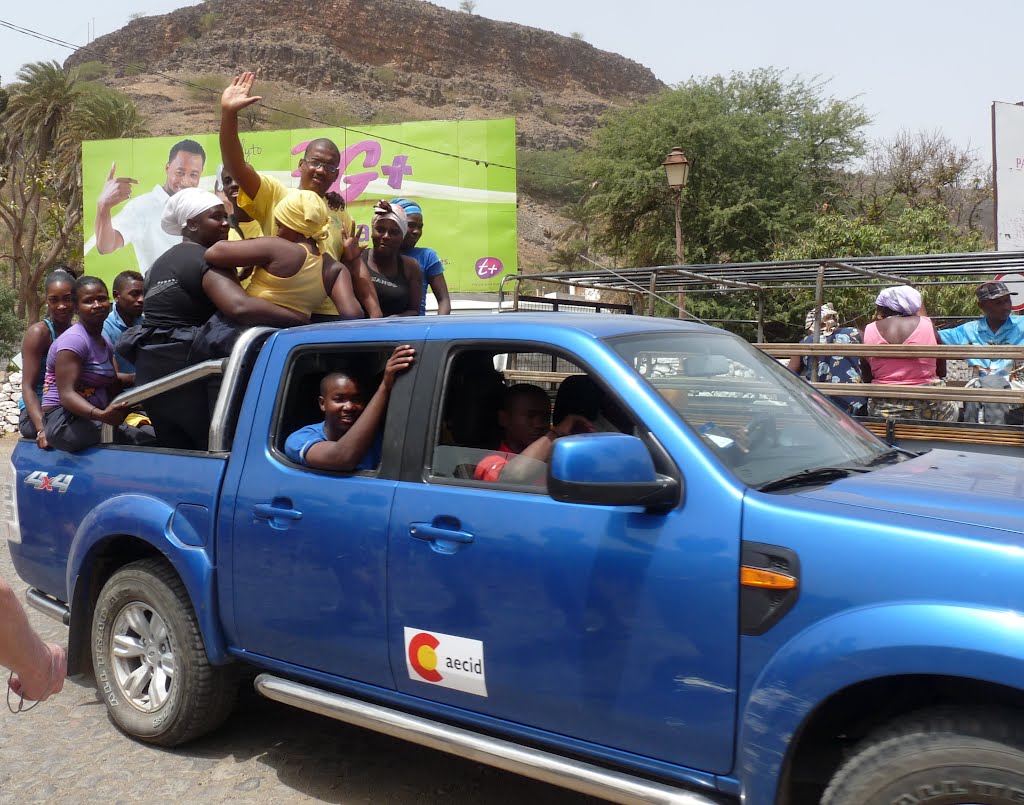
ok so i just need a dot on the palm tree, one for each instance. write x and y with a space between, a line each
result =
582 216
41 98
48 115
568 258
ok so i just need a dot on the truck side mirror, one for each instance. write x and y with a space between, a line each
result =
610 469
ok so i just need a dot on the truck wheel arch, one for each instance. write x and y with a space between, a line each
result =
967 654
121 530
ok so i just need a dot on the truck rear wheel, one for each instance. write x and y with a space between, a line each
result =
939 757
150 661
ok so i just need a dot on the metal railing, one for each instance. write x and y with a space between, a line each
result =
231 368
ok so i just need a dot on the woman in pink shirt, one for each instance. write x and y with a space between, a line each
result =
898 322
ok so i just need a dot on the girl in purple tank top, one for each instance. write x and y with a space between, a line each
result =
81 379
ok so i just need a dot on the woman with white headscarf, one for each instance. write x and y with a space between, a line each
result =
898 321
831 368
182 292
397 279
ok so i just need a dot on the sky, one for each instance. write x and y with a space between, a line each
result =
913 64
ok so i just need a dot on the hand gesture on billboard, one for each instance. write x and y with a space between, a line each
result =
237 95
115 190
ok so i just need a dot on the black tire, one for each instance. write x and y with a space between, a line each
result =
938 757
178 695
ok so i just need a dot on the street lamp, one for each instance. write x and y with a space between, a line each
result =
677 171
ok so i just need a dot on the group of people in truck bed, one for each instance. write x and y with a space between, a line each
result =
270 255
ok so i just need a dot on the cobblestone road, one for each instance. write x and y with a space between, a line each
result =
68 751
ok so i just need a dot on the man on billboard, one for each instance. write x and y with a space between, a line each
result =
259 194
138 223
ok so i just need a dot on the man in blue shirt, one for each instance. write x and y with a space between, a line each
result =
129 290
998 327
348 439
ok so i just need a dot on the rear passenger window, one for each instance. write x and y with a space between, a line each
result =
300 420
502 411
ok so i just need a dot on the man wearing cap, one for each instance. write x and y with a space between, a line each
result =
996 328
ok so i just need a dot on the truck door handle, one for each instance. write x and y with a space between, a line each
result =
441 539
278 512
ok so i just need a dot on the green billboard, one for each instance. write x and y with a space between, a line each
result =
462 173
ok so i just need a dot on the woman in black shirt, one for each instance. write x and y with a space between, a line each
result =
397 279
182 292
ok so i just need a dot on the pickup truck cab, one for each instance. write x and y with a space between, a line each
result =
734 593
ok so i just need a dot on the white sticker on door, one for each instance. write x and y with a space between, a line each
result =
446 660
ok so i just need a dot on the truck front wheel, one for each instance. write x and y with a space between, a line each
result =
938 757
150 661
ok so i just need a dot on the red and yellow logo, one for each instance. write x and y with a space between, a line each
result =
423 657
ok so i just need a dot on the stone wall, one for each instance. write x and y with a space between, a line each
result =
10 394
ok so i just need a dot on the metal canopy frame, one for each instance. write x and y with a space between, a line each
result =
666 282
850 272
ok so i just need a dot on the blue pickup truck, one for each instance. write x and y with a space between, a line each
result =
732 593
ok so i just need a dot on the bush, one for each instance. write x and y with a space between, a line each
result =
208 21
520 99
385 75
547 175
93 70
206 87
552 115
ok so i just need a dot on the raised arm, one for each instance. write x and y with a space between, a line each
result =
346 453
221 285
362 285
235 98
338 284
278 256
115 190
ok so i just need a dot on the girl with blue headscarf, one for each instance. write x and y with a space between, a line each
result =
433 268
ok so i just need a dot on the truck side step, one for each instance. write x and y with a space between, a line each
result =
528 762
40 601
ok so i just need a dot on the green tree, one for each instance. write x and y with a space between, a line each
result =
11 328
49 114
765 149
922 169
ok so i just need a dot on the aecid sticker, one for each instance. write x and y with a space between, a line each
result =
446 660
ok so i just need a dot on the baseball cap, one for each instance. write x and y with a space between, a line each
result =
993 290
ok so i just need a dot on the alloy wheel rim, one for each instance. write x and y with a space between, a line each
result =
142 657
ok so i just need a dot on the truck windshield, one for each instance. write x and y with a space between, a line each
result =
764 423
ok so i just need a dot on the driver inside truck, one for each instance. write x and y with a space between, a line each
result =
349 438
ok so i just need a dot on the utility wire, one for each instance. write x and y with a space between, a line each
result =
182 82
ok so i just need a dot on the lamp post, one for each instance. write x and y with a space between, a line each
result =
677 171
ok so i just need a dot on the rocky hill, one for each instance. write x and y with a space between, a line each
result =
380 61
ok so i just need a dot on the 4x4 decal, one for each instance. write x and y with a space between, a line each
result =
42 482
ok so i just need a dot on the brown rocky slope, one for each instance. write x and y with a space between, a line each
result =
359 61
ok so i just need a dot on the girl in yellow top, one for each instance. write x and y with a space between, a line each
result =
294 271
